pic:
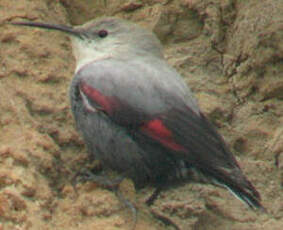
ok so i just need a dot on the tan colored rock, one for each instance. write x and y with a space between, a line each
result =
229 52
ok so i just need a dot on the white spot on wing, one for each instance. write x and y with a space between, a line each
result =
86 103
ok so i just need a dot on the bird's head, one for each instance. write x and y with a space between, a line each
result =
107 37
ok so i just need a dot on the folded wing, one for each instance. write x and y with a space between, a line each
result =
136 98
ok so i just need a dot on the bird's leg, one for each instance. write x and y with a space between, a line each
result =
166 220
129 205
93 172
149 201
101 180
108 183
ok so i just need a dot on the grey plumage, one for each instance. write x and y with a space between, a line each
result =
138 116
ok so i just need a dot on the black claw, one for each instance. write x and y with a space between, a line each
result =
166 220
105 182
129 205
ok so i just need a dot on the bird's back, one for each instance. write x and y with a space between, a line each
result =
149 124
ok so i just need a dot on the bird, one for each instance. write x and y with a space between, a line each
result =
137 115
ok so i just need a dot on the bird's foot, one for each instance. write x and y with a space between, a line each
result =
130 206
164 219
107 183
102 180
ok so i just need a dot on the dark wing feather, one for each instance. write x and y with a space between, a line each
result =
207 151
171 122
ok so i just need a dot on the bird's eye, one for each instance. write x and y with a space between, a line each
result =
102 33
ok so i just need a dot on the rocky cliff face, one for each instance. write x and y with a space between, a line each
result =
231 54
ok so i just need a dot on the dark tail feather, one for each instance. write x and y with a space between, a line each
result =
242 189
248 195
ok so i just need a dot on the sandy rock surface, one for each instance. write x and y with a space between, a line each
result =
230 52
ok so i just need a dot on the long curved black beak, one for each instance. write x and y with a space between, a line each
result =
63 28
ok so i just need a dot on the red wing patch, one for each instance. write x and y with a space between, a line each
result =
106 103
158 131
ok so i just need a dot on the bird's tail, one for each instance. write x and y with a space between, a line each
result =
248 195
241 188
